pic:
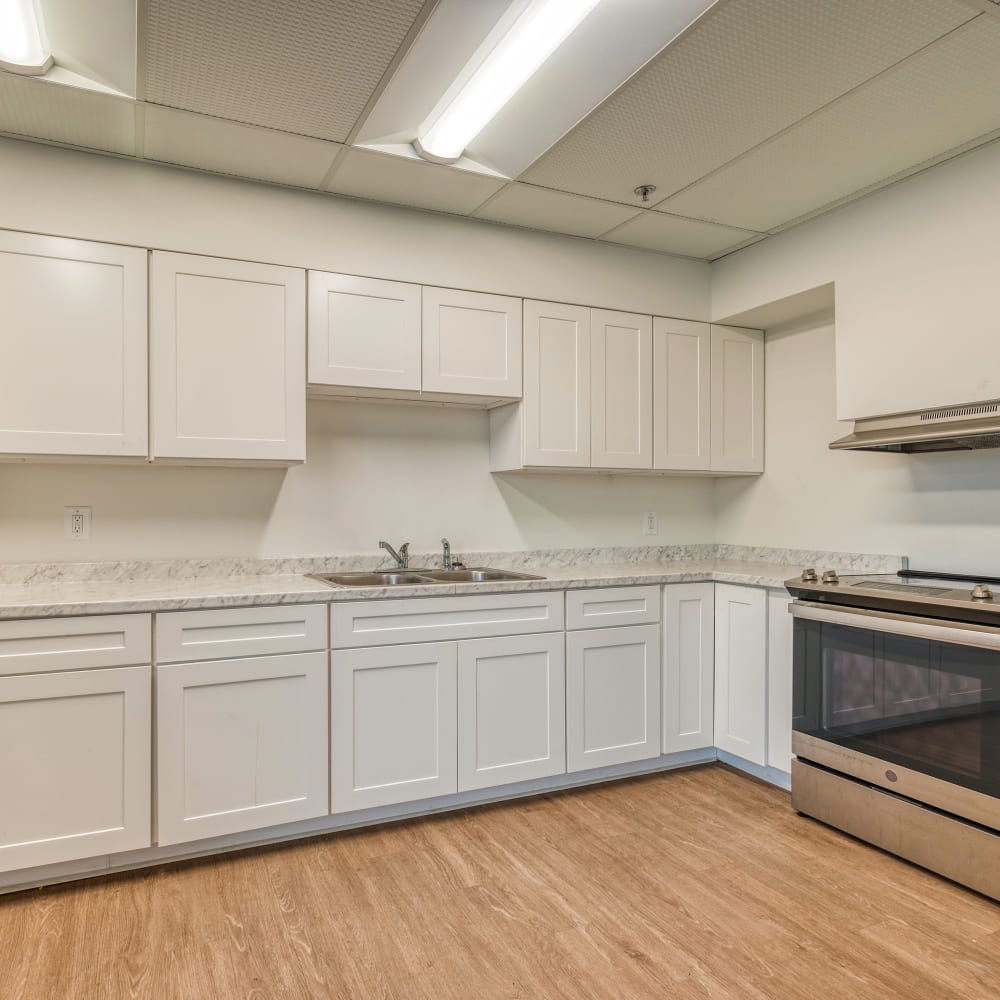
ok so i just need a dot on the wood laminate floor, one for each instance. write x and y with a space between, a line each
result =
699 883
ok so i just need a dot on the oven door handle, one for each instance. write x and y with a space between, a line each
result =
933 629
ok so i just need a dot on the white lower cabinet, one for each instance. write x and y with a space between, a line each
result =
511 709
241 744
688 666
779 681
393 724
74 765
612 696
741 672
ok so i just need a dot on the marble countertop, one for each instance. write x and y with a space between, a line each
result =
90 597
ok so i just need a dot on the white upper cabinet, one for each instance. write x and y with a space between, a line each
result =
363 332
73 342
737 400
471 343
682 394
621 384
227 342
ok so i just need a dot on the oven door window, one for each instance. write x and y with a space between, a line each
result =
930 706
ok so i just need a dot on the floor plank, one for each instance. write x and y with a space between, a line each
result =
694 885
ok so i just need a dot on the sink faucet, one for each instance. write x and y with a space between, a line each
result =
446 554
402 557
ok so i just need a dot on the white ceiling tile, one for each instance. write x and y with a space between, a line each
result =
671 234
68 115
230 148
303 66
938 99
384 177
750 69
554 211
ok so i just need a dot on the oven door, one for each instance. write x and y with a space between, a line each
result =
908 704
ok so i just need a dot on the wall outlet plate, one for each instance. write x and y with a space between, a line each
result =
76 522
650 523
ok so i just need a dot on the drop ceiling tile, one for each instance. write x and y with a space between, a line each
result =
941 98
70 115
750 69
554 211
671 234
230 148
303 66
384 177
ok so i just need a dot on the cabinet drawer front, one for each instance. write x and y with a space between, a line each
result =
433 619
612 606
74 765
241 745
40 645
214 635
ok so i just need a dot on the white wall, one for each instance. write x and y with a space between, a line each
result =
941 510
373 471
917 295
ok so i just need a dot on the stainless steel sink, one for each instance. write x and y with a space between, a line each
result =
410 578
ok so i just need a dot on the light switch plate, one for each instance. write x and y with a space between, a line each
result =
650 523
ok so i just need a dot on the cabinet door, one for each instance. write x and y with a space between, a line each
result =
682 392
556 407
227 366
241 744
393 724
74 765
741 672
779 681
737 400
363 332
621 390
612 696
511 709
73 342
688 666
471 343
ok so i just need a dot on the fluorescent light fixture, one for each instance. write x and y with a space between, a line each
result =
505 61
23 45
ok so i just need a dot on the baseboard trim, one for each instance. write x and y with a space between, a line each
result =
772 775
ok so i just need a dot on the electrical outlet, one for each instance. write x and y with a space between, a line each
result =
76 522
650 523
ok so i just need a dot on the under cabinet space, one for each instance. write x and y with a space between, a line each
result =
73 342
612 696
688 666
74 765
393 725
241 745
227 360
511 709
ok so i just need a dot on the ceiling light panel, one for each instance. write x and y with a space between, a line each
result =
748 70
303 66
24 47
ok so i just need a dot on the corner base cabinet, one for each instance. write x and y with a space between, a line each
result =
688 666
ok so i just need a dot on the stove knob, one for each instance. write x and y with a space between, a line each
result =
809 575
981 592
830 576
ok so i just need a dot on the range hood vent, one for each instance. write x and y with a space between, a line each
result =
958 428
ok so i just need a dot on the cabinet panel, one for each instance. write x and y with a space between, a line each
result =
737 400
682 392
779 681
393 725
363 332
511 709
73 340
471 343
621 381
241 744
688 666
74 765
227 359
741 672
556 407
612 696
606 606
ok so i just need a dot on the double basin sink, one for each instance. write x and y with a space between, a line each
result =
416 577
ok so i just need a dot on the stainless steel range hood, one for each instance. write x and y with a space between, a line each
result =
959 428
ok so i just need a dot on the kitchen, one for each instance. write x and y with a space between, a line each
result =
643 420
